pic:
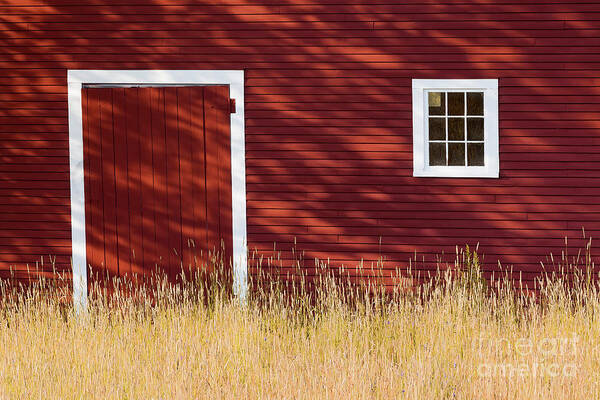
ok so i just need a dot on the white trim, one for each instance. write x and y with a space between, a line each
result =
421 167
76 79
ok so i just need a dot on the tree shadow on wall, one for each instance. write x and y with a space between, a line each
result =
328 121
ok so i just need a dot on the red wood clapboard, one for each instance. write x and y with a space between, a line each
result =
157 178
328 129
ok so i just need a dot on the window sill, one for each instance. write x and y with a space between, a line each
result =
456 172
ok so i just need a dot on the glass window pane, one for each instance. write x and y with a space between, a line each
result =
437 153
456 154
475 103
456 103
476 153
456 129
437 103
474 128
437 128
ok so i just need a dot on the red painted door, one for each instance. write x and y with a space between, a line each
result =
157 178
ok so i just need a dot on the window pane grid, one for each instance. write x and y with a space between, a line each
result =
469 131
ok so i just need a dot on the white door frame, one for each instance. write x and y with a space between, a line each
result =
76 79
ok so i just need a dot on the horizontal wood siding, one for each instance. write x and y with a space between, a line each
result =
329 120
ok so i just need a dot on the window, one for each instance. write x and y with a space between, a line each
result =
455 128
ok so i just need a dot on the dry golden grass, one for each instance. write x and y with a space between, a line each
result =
456 337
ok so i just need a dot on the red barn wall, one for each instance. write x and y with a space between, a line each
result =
328 128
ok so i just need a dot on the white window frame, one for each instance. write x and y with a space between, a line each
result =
76 79
421 167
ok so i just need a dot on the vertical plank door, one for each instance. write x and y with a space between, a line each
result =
157 179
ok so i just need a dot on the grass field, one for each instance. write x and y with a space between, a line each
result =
457 336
